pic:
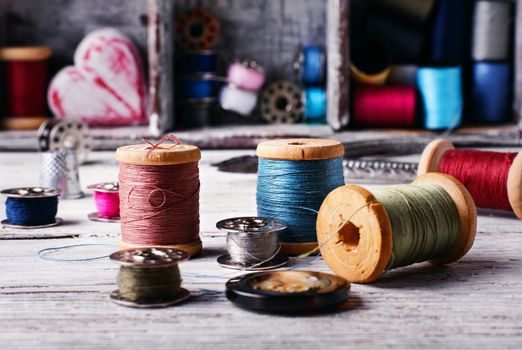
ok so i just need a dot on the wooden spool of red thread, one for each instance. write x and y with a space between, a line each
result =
25 89
488 189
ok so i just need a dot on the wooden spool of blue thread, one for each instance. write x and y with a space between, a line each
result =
294 177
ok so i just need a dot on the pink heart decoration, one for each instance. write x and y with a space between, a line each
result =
106 85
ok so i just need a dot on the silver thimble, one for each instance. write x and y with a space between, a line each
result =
60 171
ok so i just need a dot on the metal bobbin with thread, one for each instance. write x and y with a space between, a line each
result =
31 207
144 277
252 243
106 198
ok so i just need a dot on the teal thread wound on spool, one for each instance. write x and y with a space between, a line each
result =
315 104
441 92
292 192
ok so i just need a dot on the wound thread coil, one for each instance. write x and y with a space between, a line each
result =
362 234
149 277
252 243
159 195
107 200
491 91
31 207
494 179
384 106
294 176
442 96
491 30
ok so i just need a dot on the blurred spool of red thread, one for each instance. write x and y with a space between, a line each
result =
384 106
25 77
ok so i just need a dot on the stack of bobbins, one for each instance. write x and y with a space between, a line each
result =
490 187
281 172
252 244
107 200
245 79
25 77
356 235
159 195
149 277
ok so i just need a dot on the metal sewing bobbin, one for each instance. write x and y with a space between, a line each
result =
149 258
287 291
252 244
108 188
281 103
31 193
59 134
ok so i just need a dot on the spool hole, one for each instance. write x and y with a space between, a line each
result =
296 143
281 103
349 235
196 29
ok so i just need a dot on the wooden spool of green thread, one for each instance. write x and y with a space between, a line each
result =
359 235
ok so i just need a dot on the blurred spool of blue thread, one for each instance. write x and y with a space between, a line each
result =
450 31
441 91
312 65
31 211
294 177
492 22
491 91
315 104
198 62
198 87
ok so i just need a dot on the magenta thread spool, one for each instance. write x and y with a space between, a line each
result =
246 75
107 200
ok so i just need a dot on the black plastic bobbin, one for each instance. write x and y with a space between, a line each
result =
146 258
254 225
288 291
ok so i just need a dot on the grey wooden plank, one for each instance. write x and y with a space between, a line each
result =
64 305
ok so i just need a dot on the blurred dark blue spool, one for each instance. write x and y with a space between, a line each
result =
313 64
491 91
404 39
31 211
198 87
451 33
198 62
441 91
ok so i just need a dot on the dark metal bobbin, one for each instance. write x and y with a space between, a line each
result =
65 134
31 192
144 258
251 225
106 187
281 103
289 291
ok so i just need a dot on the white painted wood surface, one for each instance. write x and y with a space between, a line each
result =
474 303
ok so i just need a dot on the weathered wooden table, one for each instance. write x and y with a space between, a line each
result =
48 304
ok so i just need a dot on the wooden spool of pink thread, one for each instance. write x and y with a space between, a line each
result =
159 195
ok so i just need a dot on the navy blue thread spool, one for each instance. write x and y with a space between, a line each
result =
310 65
315 104
491 91
441 92
450 32
198 62
199 87
31 207
294 177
